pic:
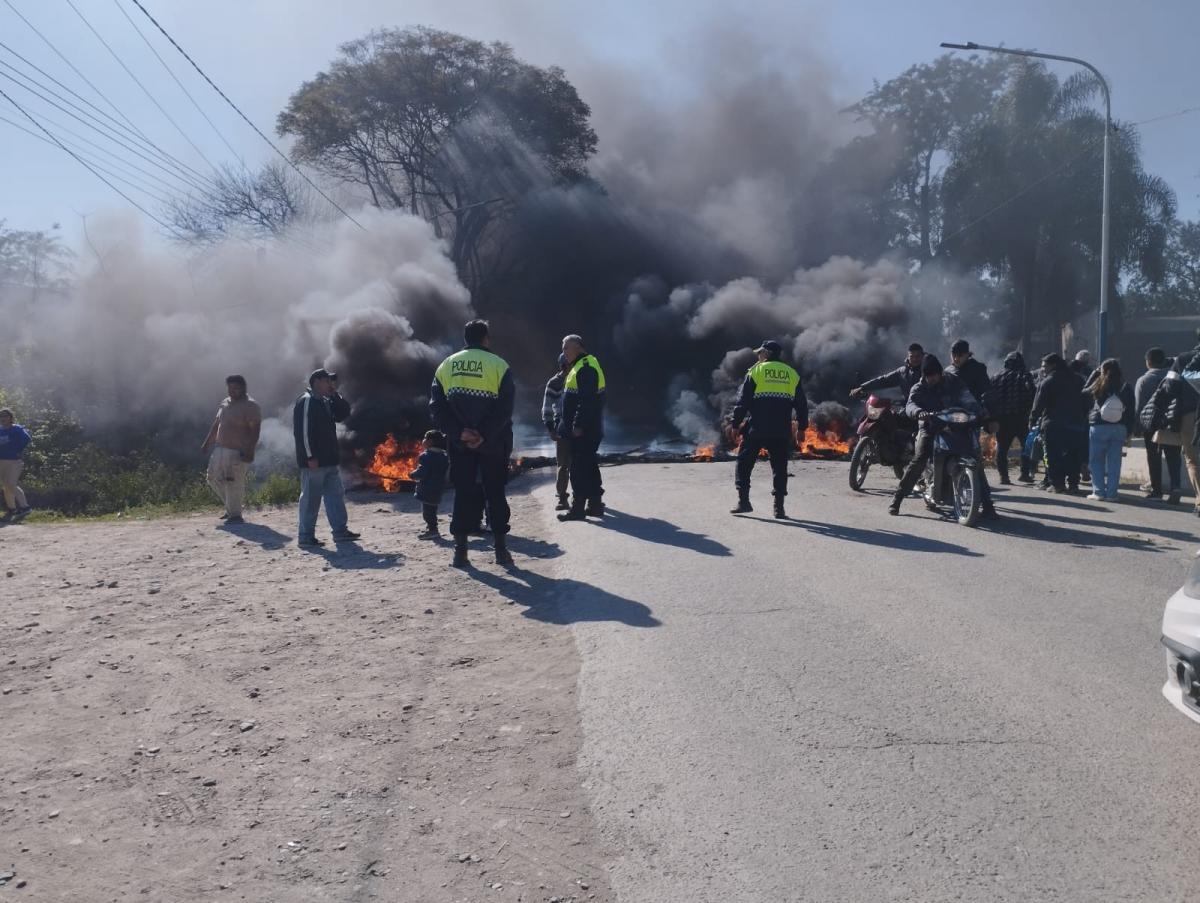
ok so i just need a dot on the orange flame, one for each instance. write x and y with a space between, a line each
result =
826 443
704 453
394 460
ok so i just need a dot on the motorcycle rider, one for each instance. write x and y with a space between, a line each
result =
903 377
936 391
769 394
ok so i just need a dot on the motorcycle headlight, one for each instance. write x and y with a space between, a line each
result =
959 417
873 412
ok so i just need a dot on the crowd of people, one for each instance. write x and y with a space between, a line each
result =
1070 418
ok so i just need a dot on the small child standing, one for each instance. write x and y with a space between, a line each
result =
430 477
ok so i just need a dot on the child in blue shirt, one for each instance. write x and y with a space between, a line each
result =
430 477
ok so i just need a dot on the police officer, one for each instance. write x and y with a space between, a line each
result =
583 423
471 401
763 417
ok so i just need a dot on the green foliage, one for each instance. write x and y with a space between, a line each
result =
276 489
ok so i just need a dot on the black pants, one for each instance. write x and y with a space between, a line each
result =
478 480
587 485
921 455
1154 457
1011 428
429 512
1060 454
779 450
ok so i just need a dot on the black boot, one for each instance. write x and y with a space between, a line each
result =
460 552
894 507
564 503
780 514
595 508
743 505
576 513
503 556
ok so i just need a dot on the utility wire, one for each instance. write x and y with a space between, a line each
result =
1166 116
137 136
171 73
86 80
245 118
139 83
197 182
93 147
83 162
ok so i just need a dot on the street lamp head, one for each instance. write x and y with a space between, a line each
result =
970 45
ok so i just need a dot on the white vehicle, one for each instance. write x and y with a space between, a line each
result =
1181 637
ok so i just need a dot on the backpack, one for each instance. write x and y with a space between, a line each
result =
1113 409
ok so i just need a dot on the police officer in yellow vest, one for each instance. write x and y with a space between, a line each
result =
763 417
583 423
471 401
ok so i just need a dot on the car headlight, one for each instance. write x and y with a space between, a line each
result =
873 412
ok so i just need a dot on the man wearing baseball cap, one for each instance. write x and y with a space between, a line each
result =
763 417
314 424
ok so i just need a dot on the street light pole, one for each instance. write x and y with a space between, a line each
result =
1102 326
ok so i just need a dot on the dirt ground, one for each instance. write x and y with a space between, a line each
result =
194 712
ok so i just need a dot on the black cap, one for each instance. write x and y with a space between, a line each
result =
322 373
770 346
931 366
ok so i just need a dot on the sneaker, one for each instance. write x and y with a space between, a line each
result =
224 515
1005 481
1093 497
1152 494
564 504
573 514
1173 498
346 536
234 519
1115 497
595 509
309 542
22 512
893 510
1025 478
429 533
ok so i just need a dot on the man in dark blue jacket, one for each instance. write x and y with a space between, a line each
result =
903 377
314 425
936 391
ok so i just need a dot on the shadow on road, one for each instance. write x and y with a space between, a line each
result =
1028 528
1180 535
260 534
565 601
656 530
350 556
888 539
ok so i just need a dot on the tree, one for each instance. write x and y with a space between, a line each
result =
448 128
1177 291
266 203
1021 199
34 260
920 115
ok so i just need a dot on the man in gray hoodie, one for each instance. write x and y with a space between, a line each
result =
1143 391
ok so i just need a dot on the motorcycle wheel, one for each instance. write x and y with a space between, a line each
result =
861 461
966 495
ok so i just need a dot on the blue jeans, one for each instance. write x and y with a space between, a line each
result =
322 483
1105 443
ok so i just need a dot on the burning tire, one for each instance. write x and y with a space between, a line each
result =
860 462
966 495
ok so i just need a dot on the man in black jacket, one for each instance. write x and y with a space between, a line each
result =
936 391
1058 408
471 401
314 425
1010 400
584 391
903 377
972 373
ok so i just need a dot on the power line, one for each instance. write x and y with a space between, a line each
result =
73 68
136 135
197 182
245 118
171 73
1166 116
83 162
138 82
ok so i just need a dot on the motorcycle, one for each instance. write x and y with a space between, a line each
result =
952 476
882 439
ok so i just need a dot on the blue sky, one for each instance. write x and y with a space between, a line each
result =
259 51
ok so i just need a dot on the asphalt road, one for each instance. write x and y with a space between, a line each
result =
849 706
